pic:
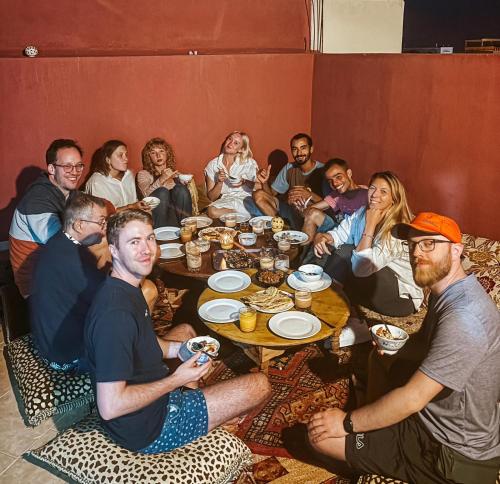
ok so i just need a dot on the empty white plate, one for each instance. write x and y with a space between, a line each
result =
265 218
220 310
294 325
229 281
201 221
171 251
295 282
167 233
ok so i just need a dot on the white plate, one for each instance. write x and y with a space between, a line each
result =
219 231
240 218
294 325
265 218
273 311
295 282
229 281
171 251
220 310
167 233
201 221
153 202
295 235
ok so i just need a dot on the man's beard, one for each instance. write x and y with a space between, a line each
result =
427 275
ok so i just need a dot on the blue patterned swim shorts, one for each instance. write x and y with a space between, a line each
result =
186 420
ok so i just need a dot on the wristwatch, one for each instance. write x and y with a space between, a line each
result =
348 427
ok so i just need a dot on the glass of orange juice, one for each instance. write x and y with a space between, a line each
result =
248 319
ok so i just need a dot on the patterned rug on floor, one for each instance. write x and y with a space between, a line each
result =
298 392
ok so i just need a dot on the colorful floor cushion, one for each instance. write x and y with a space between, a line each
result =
87 455
42 392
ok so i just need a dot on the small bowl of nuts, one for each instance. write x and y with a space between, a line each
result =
270 277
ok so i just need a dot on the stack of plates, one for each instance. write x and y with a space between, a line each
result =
265 218
201 221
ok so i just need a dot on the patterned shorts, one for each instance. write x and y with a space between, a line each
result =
186 420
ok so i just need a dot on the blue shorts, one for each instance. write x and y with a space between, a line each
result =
186 420
327 225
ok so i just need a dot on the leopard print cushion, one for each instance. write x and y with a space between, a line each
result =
87 455
41 391
374 479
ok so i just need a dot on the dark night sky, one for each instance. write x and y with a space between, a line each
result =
449 22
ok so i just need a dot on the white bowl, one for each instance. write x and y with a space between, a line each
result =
247 239
184 178
153 202
388 345
310 272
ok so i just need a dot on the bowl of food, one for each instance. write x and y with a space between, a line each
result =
208 346
153 202
185 178
247 239
270 277
389 338
310 272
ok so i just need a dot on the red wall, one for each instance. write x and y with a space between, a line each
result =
192 101
432 119
120 27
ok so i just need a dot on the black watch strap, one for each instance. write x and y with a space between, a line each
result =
348 423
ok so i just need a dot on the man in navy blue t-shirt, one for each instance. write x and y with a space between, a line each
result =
142 405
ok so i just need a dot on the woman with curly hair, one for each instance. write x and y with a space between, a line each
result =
159 178
374 266
111 179
230 177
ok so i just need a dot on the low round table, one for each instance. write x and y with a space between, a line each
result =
262 344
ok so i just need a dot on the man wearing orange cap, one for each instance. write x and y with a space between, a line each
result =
442 425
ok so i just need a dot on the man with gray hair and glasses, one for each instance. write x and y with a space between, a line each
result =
442 423
38 216
65 280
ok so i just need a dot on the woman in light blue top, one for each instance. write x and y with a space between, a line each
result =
373 266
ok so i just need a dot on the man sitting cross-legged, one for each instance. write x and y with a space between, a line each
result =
346 198
142 405
442 424
65 281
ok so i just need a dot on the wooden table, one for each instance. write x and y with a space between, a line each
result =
179 267
262 344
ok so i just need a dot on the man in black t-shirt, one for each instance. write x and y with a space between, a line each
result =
64 282
142 405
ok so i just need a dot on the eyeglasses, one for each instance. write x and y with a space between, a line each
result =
69 168
425 245
101 223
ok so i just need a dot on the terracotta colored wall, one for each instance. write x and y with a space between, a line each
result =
193 101
120 27
432 119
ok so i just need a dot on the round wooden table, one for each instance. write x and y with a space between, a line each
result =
261 345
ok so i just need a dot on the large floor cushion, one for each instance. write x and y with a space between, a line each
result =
40 391
87 455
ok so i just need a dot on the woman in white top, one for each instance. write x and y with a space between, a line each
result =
372 264
111 179
230 178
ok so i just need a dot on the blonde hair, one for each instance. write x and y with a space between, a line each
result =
245 153
147 164
398 212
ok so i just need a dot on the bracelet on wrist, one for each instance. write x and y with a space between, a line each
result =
368 235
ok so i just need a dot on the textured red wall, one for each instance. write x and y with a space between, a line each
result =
119 27
432 119
192 101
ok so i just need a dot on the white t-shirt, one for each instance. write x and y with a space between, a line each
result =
118 192
246 170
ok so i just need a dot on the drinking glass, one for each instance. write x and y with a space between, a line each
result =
258 227
303 299
192 225
230 220
248 319
193 257
282 262
186 234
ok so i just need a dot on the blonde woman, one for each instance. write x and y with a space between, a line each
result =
159 178
373 265
230 177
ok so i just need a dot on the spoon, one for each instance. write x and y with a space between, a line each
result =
195 346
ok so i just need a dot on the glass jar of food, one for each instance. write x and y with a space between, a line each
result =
193 257
303 299
248 319
226 240
186 234
258 227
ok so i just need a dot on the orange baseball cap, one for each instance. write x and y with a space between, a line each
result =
428 223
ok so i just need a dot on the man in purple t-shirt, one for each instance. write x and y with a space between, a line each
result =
345 199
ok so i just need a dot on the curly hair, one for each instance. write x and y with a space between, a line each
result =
157 143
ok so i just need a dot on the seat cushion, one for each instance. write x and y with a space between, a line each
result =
86 454
375 479
42 392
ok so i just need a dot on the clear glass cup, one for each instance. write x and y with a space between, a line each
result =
303 299
193 257
266 258
226 241
245 227
248 319
284 245
282 262
258 227
192 225
186 234
230 220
